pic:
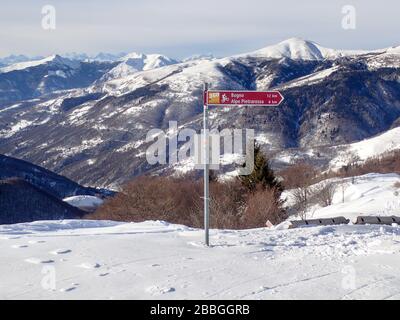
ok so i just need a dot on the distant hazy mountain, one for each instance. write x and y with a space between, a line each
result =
95 132
107 57
134 62
37 78
208 56
11 59
100 57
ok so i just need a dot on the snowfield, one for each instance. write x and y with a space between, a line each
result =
371 194
80 259
345 154
84 201
368 148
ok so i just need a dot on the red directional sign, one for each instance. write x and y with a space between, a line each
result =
243 98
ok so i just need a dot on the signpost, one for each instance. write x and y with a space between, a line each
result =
206 168
244 98
228 98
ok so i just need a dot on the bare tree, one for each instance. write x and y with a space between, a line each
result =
301 198
324 194
343 186
300 176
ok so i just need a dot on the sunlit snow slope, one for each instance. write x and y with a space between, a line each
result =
156 260
367 195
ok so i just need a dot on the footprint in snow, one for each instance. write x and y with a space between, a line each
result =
117 270
103 274
38 261
36 241
155 265
19 246
156 290
67 289
60 251
10 238
89 265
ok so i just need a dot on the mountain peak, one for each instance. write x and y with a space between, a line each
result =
293 48
206 56
296 42
393 50
132 55
60 61
134 62
107 57
300 49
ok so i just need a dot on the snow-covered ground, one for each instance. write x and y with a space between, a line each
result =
83 259
341 155
368 148
84 201
372 194
155 260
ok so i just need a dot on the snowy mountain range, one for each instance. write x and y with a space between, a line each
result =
135 62
100 57
13 58
88 119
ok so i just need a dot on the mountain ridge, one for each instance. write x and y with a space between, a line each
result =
100 137
21 201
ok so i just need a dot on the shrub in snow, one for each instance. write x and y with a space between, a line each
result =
179 200
263 205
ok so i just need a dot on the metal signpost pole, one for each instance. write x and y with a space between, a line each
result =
227 98
206 150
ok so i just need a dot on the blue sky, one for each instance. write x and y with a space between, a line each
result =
180 28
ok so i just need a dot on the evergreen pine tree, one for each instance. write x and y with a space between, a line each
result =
213 177
262 175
